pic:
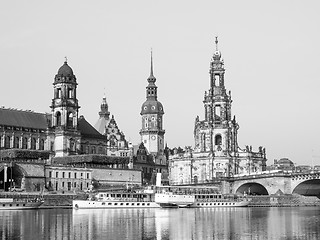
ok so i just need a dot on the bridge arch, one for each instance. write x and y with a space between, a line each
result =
310 187
15 176
252 188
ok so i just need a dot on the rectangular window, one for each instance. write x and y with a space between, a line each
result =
57 174
75 175
50 174
69 174
87 175
63 173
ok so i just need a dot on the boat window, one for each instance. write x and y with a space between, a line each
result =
103 203
121 204
127 204
138 204
109 203
115 203
142 204
17 205
10 205
3 205
148 204
132 204
23 204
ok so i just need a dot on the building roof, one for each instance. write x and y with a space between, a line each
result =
65 70
26 119
87 130
101 125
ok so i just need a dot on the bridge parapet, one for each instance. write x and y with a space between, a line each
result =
297 176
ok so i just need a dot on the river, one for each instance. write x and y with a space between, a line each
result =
195 223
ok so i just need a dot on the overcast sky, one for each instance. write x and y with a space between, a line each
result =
271 51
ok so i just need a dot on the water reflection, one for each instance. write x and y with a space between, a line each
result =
215 223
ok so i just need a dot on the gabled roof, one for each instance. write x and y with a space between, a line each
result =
87 130
26 119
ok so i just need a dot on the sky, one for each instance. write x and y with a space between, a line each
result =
271 51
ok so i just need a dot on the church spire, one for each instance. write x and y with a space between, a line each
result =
151 78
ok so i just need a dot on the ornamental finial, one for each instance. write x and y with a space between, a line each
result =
216 43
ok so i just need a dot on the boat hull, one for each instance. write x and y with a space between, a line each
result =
87 204
219 204
19 205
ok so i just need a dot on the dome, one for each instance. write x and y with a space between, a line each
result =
65 70
65 74
285 161
151 106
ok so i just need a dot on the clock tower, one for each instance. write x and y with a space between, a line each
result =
152 133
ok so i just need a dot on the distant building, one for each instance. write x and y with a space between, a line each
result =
216 153
117 145
282 164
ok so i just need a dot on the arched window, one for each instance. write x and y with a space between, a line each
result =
41 144
58 119
25 143
16 142
217 80
218 140
195 179
72 145
93 150
7 142
70 120
33 143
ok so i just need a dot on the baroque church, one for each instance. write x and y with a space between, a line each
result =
216 152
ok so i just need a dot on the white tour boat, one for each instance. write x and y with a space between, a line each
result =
122 199
197 197
14 204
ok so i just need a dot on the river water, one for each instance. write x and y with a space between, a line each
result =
195 223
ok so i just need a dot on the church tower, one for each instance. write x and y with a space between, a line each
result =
64 110
152 133
217 133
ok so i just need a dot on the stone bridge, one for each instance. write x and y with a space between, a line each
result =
304 183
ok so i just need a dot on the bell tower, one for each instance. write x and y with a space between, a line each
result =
152 133
218 132
65 110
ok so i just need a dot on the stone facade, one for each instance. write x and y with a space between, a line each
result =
216 152
68 179
117 145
